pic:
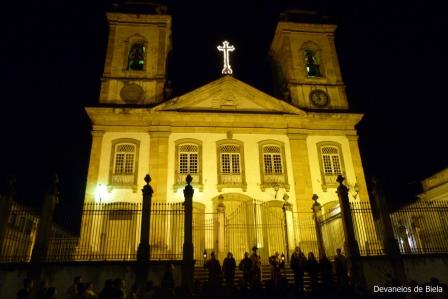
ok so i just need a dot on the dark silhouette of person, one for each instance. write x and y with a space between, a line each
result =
326 270
298 264
256 265
228 268
312 268
214 270
107 291
340 267
245 266
276 266
25 292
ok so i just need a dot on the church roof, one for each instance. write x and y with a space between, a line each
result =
228 94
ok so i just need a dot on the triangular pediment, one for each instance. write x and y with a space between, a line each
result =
228 94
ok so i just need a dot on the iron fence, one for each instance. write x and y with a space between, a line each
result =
20 234
367 232
422 227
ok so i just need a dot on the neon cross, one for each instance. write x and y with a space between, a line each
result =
225 48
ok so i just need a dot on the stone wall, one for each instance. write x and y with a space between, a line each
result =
61 275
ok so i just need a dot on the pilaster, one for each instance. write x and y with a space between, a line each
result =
94 164
357 165
158 162
301 171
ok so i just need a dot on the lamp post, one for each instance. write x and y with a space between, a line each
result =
187 266
287 208
276 188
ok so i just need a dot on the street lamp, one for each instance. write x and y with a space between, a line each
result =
276 187
205 255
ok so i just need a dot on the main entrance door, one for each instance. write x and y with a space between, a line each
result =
249 223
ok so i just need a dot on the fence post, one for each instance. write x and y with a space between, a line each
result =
317 214
143 251
44 229
287 215
187 258
389 242
221 219
5 210
351 247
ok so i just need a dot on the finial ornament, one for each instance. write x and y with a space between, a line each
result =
189 179
147 179
226 48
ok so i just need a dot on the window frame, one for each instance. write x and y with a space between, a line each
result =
179 180
129 42
312 46
282 178
114 144
221 183
330 183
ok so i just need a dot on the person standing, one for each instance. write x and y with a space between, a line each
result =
245 266
25 292
228 268
276 266
340 267
298 263
214 270
72 291
256 265
326 269
313 269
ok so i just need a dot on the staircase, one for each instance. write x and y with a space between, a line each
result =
201 274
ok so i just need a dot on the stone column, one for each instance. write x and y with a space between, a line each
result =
220 227
187 260
301 170
88 240
44 229
390 244
351 247
289 227
94 166
5 209
158 162
359 170
143 251
317 215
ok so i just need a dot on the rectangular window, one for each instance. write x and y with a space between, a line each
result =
267 164
277 164
225 163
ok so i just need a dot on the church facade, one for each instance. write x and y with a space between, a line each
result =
248 152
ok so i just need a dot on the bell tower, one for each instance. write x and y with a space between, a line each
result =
306 62
137 50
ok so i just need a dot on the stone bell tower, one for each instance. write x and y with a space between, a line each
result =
307 66
137 50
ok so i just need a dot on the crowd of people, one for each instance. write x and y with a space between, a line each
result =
326 280
250 266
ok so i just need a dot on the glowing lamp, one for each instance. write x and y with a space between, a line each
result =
205 254
100 193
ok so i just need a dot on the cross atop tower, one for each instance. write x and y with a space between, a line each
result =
226 48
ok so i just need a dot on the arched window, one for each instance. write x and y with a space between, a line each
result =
188 161
331 163
312 63
136 57
231 170
272 164
124 162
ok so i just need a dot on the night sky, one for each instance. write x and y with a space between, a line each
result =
392 59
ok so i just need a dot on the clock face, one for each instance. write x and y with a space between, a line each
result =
319 98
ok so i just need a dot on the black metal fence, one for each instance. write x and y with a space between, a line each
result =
422 227
20 234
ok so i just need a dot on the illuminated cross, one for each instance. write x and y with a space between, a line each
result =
225 48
